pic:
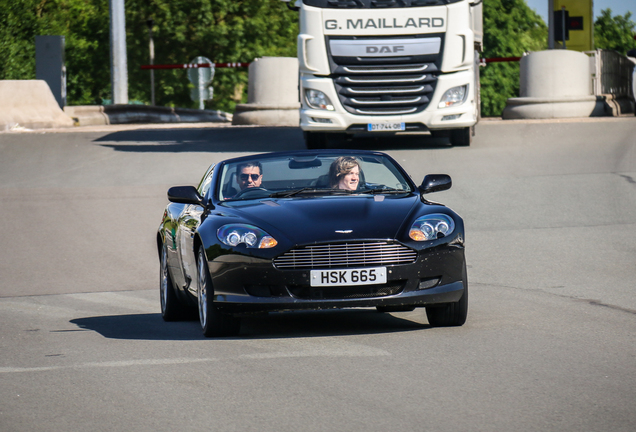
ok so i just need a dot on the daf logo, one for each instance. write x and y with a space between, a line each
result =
384 49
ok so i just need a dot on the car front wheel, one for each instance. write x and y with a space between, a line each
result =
450 314
213 321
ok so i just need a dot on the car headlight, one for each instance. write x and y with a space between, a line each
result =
431 227
318 100
453 96
251 236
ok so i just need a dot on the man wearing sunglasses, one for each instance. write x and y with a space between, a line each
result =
249 175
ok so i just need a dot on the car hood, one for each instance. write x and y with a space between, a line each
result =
330 218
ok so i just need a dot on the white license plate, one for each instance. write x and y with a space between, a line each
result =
375 127
363 276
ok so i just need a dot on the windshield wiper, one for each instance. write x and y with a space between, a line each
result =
384 191
290 193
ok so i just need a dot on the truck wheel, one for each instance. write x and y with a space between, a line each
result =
461 137
315 140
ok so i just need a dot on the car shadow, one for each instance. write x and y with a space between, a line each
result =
251 139
301 324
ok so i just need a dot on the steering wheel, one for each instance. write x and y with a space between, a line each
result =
248 190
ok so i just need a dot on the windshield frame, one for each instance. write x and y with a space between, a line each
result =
225 169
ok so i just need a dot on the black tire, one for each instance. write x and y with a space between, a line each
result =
461 137
171 308
213 322
315 140
450 314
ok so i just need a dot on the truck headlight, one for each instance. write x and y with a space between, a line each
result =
454 96
318 100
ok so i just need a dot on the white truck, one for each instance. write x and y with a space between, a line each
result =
388 66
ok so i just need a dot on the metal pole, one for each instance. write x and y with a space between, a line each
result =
118 62
550 24
151 49
563 24
201 90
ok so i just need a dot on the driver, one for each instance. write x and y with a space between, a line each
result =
249 174
344 173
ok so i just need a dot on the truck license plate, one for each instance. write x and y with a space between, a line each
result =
363 276
375 127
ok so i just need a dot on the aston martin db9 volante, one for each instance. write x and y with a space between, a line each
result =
318 229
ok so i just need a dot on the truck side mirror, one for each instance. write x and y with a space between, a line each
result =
435 183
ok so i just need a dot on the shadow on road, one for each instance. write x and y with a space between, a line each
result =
250 139
274 325
215 140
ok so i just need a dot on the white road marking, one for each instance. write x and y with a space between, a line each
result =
123 363
314 347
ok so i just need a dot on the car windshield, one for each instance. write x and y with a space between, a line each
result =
324 174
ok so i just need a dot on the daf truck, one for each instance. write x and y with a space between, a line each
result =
389 66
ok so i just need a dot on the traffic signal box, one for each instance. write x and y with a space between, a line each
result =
579 24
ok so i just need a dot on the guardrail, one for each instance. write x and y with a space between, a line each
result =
196 66
611 74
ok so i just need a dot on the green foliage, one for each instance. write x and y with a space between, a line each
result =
511 28
222 30
614 33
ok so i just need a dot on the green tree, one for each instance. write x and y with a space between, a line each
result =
511 28
614 33
222 30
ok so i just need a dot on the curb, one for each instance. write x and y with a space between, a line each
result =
96 115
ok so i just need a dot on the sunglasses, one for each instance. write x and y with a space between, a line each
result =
254 177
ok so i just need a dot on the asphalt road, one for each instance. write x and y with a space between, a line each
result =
550 341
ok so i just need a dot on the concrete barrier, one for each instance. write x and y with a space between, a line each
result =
554 84
127 114
272 94
30 104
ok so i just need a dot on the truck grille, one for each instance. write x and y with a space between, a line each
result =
345 255
385 85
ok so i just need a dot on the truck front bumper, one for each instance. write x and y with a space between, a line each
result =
431 118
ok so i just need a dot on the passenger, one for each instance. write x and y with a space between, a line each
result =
344 173
249 175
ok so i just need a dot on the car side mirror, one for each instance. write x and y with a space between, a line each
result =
185 195
435 183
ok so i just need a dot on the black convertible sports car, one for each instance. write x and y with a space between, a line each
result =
316 229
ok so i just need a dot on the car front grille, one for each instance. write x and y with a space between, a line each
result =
342 255
346 292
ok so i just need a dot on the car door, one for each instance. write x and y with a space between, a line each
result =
188 224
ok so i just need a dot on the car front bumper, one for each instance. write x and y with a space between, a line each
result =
244 284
